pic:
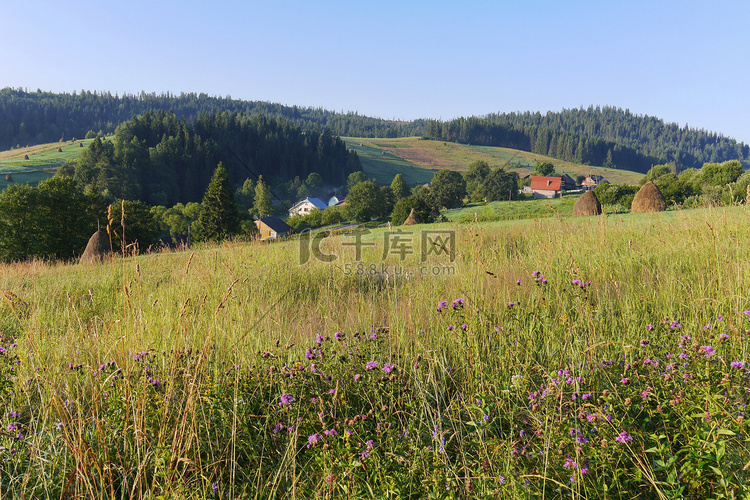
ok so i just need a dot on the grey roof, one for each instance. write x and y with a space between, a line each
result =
276 224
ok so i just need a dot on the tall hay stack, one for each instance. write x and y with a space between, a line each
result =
587 204
648 199
412 219
8 178
97 249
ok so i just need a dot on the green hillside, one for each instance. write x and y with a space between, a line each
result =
417 160
43 160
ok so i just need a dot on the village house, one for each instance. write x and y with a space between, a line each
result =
591 181
304 207
272 227
546 187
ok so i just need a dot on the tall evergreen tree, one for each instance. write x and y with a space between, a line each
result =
219 218
263 204
399 188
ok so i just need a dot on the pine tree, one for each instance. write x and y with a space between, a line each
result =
262 205
399 188
219 218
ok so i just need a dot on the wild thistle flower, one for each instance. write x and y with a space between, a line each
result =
707 350
313 439
286 400
623 438
737 364
387 368
371 365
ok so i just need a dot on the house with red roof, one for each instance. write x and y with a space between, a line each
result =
546 187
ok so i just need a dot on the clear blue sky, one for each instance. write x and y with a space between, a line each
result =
683 61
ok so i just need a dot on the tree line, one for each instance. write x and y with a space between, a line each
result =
606 136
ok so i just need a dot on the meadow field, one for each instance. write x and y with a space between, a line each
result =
600 357
43 160
417 160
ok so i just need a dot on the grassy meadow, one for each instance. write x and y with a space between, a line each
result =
417 160
564 358
43 160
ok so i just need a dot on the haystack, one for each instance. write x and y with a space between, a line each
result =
648 199
97 248
80 144
412 219
8 178
588 204
25 157
59 150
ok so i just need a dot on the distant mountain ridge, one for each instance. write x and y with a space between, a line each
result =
606 136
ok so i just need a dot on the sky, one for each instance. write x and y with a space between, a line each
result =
682 61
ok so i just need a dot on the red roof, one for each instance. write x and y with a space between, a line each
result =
546 183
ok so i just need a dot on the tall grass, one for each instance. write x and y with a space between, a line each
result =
232 370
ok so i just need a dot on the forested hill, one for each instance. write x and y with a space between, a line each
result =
606 136
162 160
39 117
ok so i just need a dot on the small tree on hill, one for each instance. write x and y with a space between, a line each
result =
364 202
545 169
218 218
448 189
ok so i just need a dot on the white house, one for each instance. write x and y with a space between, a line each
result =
304 207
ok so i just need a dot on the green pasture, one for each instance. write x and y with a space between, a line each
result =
592 357
418 159
384 166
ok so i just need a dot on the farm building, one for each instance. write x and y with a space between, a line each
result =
271 227
568 183
304 207
591 181
546 187
335 200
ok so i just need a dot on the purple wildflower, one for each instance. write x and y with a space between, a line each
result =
313 439
645 342
650 327
338 336
464 327
737 364
569 464
371 365
723 337
441 305
458 303
707 350
451 328
387 367
286 400
623 438
319 339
